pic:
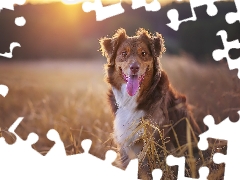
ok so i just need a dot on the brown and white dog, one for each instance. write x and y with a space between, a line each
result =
141 89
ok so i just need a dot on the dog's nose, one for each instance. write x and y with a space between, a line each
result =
134 67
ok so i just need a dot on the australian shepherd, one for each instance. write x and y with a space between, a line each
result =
140 89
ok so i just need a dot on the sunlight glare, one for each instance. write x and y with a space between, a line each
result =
69 2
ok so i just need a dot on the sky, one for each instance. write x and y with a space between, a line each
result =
48 1
109 1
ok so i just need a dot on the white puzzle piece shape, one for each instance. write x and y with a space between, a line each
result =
58 149
153 6
12 46
3 90
103 12
95 168
9 4
180 162
22 158
219 54
19 157
19 21
157 174
232 17
225 130
173 14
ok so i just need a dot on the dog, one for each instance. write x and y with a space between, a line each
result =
139 88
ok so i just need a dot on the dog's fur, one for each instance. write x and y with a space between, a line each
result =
155 99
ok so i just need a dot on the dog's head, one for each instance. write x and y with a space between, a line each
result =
132 60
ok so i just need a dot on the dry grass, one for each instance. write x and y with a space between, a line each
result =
155 153
210 89
70 97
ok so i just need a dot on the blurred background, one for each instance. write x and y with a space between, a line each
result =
59 31
56 76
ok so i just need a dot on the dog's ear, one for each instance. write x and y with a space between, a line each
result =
109 46
156 41
143 33
158 46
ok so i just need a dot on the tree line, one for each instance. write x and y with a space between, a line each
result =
59 31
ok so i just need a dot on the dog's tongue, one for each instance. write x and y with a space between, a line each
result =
132 85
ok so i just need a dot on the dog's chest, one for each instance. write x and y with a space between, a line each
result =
127 116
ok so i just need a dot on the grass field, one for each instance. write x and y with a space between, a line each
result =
70 96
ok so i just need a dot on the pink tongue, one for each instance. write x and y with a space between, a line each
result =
132 85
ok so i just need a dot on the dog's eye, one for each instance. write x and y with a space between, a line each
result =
143 53
124 53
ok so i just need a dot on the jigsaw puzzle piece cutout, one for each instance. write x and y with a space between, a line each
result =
225 130
32 138
217 131
232 17
219 54
86 145
20 144
3 90
34 161
91 162
23 147
97 165
9 54
17 154
20 21
19 159
103 12
153 6
173 14
15 125
157 174
56 157
9 4
110 156
204 172
231 161
180 162
211 7
209 122
234 54
132 169
219 158
58 149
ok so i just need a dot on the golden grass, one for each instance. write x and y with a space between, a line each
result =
70 96
194 161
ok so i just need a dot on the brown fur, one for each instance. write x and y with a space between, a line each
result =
156 97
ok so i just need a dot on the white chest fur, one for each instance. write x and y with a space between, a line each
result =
127 117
